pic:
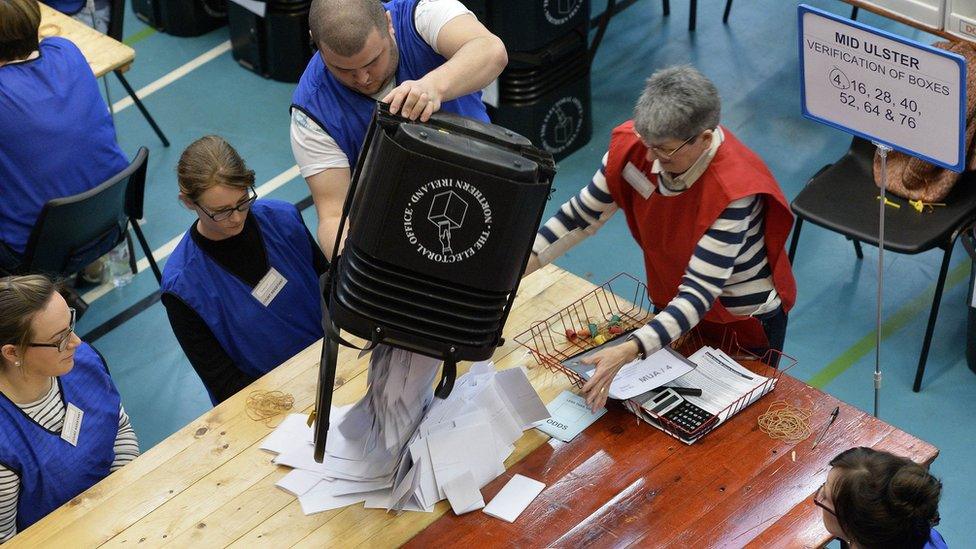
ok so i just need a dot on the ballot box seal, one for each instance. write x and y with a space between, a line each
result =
562 124
447 220
558 12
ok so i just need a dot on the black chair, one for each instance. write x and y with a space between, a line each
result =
693 12
843 198
72 232
116 18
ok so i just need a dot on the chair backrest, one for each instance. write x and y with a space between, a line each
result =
73 231
116 19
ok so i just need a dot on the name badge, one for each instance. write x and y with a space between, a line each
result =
638 180
72 424
268 288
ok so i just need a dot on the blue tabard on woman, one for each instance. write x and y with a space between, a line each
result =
257 338
70 7
935 541
345 114
51 470
57 136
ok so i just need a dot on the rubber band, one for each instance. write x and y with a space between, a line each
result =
265 405
783 421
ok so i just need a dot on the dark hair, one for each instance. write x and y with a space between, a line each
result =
21 298
208 162
342 26
882 500
19 21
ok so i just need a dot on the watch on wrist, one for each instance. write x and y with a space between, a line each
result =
641 351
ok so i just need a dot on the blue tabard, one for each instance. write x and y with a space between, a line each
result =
345 114
52 471
255 337
69 7
57 135
935 541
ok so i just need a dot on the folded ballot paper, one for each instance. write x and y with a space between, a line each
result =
400 449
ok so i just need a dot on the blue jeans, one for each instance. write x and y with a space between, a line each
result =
774 324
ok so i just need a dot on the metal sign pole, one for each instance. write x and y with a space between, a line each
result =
883 151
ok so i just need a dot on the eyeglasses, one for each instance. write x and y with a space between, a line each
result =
819 500
660 153
221 215
62 343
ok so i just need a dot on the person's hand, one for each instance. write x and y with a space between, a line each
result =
414 99
608 362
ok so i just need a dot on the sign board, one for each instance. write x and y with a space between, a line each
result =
891 90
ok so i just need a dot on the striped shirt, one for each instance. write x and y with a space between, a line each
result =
49 412
729 262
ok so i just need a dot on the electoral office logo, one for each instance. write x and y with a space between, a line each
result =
562 124
560 11
447 220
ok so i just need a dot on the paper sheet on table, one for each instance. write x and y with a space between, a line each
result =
463 494
641 376
292 432
464 449
509 503
521 395
298 482
570 416
320 499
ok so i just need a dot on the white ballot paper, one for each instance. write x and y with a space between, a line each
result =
400 449
641 376
517 494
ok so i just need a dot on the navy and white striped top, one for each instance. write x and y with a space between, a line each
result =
729 262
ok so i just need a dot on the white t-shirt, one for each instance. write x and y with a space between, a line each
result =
314 149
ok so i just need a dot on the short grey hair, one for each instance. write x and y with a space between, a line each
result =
342 26
677 103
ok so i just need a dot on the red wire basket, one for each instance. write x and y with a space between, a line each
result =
622 301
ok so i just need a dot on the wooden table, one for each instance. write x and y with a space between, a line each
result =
103 53
905 20
620 482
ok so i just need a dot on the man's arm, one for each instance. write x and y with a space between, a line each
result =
329 189
475 57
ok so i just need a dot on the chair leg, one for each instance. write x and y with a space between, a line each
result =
857 248
667 7
728 9
142 108
692 15
146 250
796 238
854 13
133 268
933 315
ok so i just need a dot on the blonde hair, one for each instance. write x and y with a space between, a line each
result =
19 21
208 162
21 298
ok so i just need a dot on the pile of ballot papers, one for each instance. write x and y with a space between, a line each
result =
398 448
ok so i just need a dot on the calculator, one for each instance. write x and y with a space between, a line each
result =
684 417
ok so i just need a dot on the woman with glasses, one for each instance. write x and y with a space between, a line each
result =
62 425
707 213
241 289
874 499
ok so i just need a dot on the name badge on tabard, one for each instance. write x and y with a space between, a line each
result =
268 288
72 424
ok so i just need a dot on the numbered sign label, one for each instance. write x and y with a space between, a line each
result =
883 87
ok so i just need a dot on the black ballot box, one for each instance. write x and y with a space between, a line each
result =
527 25
545 95
182 17
441 222
276 44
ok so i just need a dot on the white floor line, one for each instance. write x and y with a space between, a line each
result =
172 76
163 251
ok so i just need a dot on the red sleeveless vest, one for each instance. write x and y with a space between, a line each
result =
667 228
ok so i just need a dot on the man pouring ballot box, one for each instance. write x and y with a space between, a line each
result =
705 210
419 56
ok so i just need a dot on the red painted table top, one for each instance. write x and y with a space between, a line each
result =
624 483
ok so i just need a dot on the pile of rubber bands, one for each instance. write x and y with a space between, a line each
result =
265 405
783 421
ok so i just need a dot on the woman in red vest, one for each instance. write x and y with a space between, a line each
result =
707 213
